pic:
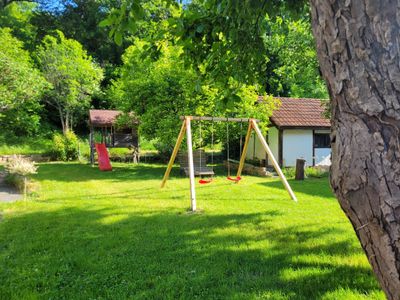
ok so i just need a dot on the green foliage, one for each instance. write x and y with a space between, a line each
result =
316 172
18 16
71 143
65 146
20 82
10 144
292 60
144 19
312 172
58 148
126 120
224 38
23 120
161 91
289 172
73 75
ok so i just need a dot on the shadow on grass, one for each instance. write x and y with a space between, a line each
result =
74 253
312 186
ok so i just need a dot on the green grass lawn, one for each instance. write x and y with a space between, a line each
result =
116 235
24 146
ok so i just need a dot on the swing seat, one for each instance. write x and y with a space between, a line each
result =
235 179
205 181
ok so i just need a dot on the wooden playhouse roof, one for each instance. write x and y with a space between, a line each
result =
103 117
301 113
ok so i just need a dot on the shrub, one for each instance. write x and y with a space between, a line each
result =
58 147
65 147
289 172
317 172
18 167
15 181
71 145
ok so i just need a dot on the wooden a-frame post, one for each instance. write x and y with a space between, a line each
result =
186 127
253 125
244 151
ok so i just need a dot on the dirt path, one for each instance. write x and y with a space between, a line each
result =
8 194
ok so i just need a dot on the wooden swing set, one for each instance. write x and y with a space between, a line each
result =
186 128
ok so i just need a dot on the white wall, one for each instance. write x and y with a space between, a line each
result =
297 143
273 142
255 150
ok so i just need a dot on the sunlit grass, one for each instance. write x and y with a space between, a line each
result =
93 234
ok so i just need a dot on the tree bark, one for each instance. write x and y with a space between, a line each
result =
66 122
358 49
60 112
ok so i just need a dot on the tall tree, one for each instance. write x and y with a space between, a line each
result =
160 91
20 82
359 55
73 75
17 16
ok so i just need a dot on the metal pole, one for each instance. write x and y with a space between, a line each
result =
191 166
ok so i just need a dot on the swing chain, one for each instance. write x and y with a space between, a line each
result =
227 149
241 138
201 143
212 143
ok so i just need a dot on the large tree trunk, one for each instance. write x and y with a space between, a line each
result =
359 53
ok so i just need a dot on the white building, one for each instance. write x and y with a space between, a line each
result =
298 130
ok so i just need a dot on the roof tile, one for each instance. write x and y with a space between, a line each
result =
300 112
103 117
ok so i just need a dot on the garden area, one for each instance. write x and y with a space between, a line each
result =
278 121
91 234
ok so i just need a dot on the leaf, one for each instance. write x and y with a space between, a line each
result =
106 22
118 38
200 28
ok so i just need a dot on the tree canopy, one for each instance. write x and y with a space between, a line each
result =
73 75
21 86
160 91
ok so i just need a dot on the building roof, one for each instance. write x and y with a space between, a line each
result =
103 117
300 112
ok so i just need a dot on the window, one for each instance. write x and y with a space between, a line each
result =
322 140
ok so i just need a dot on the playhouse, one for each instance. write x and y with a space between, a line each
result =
103 130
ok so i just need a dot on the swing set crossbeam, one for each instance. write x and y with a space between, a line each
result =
186 128
219 119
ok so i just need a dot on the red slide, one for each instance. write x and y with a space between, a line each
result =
102 157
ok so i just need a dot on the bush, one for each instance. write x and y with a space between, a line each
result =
20 166
18 169
65 147
58 148
15 181
71 143
317 172
289 172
